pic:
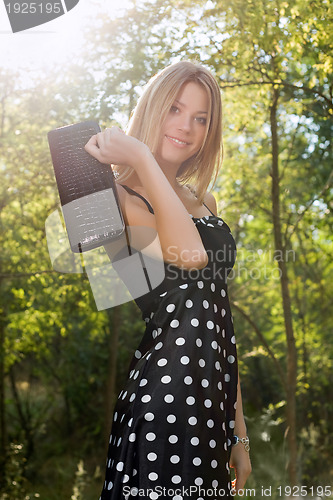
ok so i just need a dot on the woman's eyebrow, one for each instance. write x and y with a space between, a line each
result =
199 112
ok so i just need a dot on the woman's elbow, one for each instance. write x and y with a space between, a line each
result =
186 259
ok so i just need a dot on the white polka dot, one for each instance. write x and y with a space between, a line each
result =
207 403
174 323
190 400
233 339
162 362
152 457
194 322
217 328
199 342
143 382
150 436
137 354
222 406
189 303
192 420
196 461
173 439
177 497
195 441
213 464
159 331
198 481
166 379
170 308
146 398
215 308
185 285
214 344
132 437
125 478
219 386
130 422
210 423
154 334
180 341
205 304
223 292
212 287
149 416
202 363
212 443
223 313
184 360
210 325
168 398
110 483
174 459
176 479
171 419
215 483
132 397
232 424
223 333
136 374
204 382
200 284
158 346
217 365
119 441
188 380
231 359
153 495
227 377
153 476
120 466
124 395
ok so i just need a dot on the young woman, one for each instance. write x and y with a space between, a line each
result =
178 423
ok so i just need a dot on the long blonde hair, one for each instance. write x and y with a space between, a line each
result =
151 111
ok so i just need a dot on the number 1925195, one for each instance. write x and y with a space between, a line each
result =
304 491
34 8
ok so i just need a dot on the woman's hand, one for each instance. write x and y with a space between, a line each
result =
114 146
240 461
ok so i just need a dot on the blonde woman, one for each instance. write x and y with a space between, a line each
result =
178 424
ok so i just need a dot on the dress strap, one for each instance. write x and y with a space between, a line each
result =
209 209
131 191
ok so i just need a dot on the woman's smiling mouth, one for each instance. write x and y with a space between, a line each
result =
179 142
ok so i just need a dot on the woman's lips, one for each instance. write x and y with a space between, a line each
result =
177 142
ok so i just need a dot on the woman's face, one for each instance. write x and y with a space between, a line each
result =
183 131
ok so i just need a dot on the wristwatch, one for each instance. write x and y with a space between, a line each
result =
245 441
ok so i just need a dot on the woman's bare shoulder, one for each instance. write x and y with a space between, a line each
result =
209 198
210 201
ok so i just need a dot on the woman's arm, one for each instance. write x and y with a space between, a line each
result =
240 458
179 240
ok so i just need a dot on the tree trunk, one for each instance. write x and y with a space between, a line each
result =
291 347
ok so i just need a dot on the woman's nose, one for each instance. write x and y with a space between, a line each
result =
185 123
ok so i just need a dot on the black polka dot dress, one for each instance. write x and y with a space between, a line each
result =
174 419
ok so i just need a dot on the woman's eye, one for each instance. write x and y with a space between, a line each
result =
174 109
201 120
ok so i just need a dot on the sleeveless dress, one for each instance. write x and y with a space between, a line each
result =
173 421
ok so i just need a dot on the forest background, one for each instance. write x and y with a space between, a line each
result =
63 362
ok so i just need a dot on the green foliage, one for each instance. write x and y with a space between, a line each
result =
56 346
